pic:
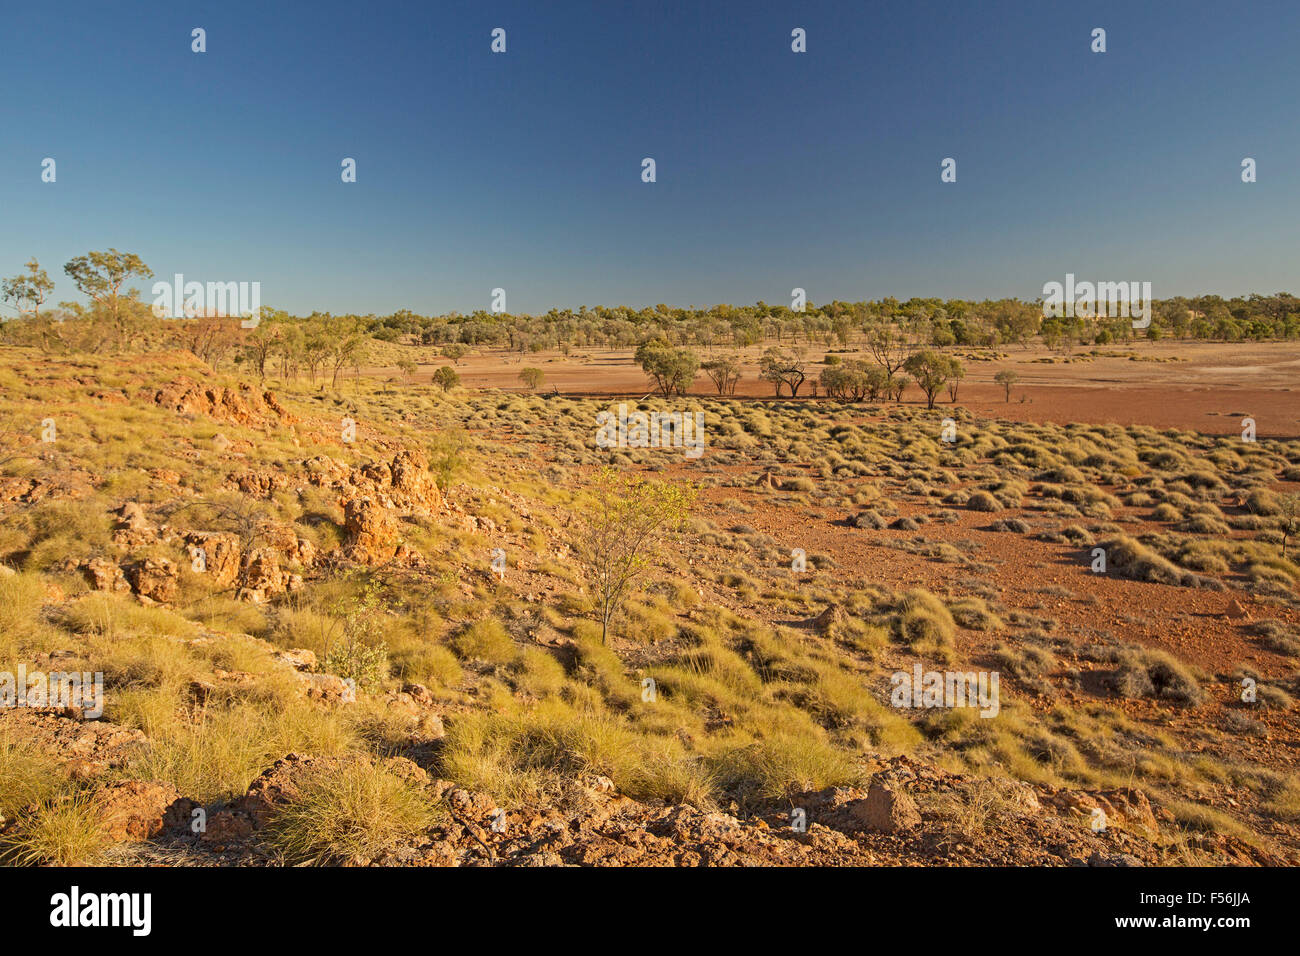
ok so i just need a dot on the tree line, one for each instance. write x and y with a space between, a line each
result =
667 340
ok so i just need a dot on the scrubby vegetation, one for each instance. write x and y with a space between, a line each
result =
405 593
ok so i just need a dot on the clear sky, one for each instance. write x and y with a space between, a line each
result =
523 170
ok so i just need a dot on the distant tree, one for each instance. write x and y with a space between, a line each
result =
446 378
1290 520
1016 321
724 371
931 371
407 367
942 334
672 369
853 381
28 291
783 367
958 373
455 351
288 348
264 339
101 276
621 531
1006 378
889 348
533 378
345 345
212 338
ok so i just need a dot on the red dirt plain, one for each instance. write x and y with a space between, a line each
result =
1196 386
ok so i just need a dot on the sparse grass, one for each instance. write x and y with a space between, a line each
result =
218 753
926 626
31 777
1133 560
64 831
485 640
21 596
537 754
983 501
349 812
1153 673
747 710
113 615
777 767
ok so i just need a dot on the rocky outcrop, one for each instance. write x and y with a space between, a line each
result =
403 484
243 406
218 555
65 484
259 484
371 532
140 809
412 484
299 658
104 575
156 579
328 689
284 540
263 577
280 412
827 619
1126 808
87 747
133 528
260 572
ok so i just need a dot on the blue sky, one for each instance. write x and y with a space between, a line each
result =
775 169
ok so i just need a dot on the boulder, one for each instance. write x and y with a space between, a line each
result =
328 689
104 575
826 619
371 532
887 809
413 486
140 809
155 579
133 528
262 576
299 658
220 553
259 484
224 828
419 693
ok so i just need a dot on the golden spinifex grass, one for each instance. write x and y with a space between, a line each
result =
908 538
